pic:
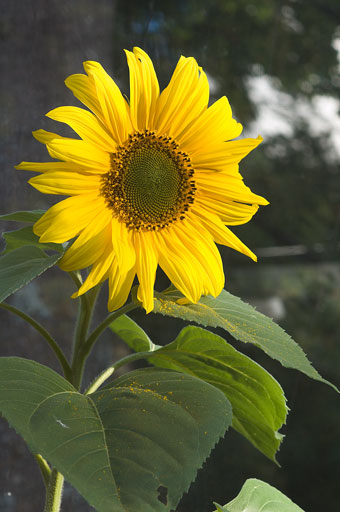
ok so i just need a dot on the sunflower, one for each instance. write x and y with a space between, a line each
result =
153 181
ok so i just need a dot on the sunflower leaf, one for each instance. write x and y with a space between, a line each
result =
258 402
21 266
132 334
30 216
134 445
243 322
25 236
259 496
24 384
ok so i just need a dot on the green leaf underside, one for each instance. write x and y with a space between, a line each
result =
25 236
243 322
258 496
21 266
257 399
132 334
30 216
134 445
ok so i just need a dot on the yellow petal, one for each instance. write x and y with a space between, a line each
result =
146 266
44 137
214 126
99 271
123 246
179 264
144 88
223 235
230 212
66 183
225 156
119 286
49 166
89 246
84 90
67 218
203 248
79 152
183 100
86 125
112 103
222 186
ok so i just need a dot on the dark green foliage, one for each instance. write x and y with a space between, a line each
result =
258 402
134 445
20 266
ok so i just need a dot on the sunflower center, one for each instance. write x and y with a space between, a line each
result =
150 182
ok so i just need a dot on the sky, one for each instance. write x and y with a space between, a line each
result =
277 112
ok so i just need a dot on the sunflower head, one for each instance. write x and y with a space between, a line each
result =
152 181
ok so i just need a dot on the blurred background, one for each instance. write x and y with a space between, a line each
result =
278 63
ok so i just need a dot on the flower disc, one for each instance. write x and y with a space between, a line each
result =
150 182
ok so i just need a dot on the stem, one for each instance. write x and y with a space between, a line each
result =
86 306
76 278
85 348
105 323
44 468
82 309
51 341
99 380
109 371
54 491
131 358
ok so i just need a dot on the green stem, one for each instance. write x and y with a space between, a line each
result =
105 323
109 371
100 380
44 468
131 358
82 312
76 278
54 492
86 306
85 348
51 341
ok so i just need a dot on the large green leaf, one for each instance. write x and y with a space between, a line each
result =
134 445
243 322
258 496
30 216
178 419
25 236
23 385
20 266
258 402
